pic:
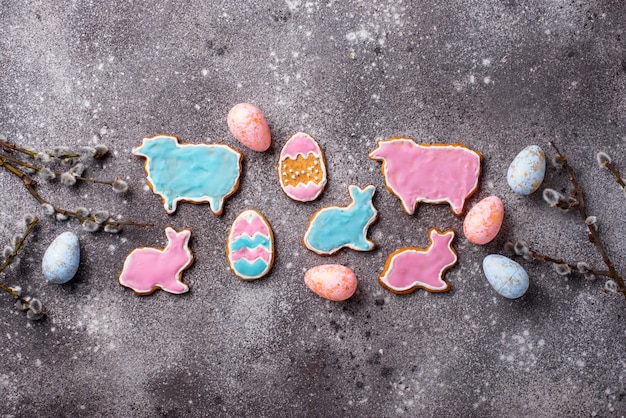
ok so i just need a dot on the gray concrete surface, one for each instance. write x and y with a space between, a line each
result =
495 76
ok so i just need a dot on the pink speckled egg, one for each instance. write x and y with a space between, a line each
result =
484 220
248 125
331 281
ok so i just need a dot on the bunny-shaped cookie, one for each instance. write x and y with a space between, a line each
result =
335 227
147 269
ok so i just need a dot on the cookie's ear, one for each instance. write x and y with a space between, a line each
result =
143 150
171 233
140 150
361 195
379 152
437 237
157 142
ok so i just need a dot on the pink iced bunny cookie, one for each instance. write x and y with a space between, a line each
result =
430 173
147 269
408 269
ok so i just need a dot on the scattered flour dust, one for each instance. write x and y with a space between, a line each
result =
9 390
103 329
253 311
519 350
361 35
293 4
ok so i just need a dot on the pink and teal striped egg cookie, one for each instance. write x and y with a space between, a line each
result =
250 246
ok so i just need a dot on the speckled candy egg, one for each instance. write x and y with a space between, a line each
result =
484 220
527 170
248 125
331 281
60 261
506 276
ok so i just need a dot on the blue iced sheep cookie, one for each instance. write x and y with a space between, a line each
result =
335 227
203 173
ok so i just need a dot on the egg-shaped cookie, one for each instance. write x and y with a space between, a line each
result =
301 168
250 246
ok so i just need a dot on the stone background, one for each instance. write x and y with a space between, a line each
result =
496 76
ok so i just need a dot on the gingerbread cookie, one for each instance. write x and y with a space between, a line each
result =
335 227
301 168
250 246
147 269
411 268
437 173
203 173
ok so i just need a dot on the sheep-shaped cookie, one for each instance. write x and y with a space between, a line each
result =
197 173
147 269
333 228
430 173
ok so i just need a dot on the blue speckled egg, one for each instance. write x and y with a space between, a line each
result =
60 261
506 276
527 170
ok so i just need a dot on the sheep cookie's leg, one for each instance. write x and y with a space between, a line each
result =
409 207
170 204
216 205
456 205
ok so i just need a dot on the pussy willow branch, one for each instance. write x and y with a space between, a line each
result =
615 171
592 231
17 161
11 148
534 255
11 257
29 183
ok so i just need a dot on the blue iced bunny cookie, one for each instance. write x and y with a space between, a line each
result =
335 227
203 173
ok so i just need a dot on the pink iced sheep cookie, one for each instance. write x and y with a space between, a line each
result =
430 173
408 269
147 269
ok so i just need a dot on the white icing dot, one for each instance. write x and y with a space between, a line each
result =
315 162
290 170
293 177
284 174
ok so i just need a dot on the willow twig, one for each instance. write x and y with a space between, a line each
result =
18 245
11 258
616 174
592 231
29 183
17 161
534 255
